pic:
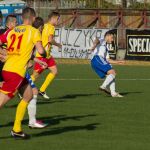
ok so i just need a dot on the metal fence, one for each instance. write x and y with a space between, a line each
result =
75 17
105 4
43 7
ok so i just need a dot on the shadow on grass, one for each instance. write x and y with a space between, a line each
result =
124 93
57 119
73 96
129 93
5 137
54 120
61 130
60 99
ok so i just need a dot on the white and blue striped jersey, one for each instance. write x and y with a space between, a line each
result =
101 50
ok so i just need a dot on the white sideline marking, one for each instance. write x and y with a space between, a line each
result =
90 79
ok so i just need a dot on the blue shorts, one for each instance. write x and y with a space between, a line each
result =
28 77
100 66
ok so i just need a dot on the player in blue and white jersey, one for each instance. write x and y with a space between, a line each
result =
100 63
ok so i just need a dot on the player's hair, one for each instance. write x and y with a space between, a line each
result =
28 13
10 18
38 22
53 14
108 33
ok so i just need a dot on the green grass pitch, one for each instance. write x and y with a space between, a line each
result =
82 118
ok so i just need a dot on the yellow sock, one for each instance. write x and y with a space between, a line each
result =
20 112
48 80
33 78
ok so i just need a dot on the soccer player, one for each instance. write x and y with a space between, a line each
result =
20 43
38 23
11 22
101 65
47 41
33 122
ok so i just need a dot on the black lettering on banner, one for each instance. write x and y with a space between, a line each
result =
91 37
138 44
58 34
67 37
112 47
79 33
76 53
85 34
64 43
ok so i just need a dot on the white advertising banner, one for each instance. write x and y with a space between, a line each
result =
76 43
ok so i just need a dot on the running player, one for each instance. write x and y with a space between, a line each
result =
38 23
20 43
47 41
101 65
33 122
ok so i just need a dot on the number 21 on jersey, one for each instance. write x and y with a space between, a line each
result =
15 44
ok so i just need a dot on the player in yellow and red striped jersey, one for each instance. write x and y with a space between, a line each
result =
47 41
20 43
11 22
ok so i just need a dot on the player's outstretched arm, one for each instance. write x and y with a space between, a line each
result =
53 42
119 62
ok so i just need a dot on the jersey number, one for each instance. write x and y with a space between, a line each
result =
13 37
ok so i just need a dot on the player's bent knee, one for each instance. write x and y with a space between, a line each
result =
112 72
27 98
3 99
54 70
28 93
